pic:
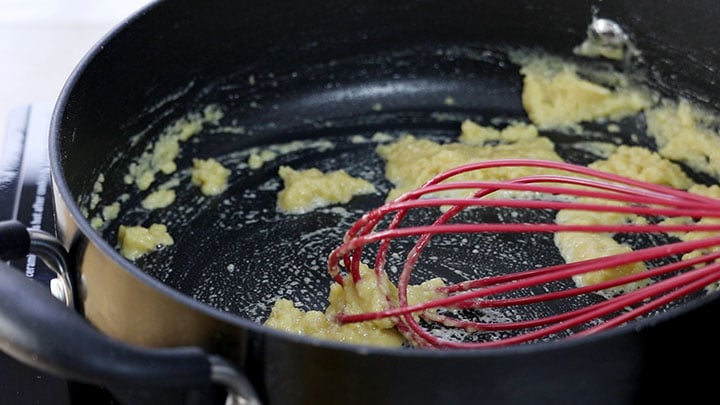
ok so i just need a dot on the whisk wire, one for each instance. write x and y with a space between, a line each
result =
585 189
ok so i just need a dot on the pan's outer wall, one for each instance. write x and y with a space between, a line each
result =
180 41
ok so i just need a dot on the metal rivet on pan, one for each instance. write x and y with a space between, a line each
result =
607 33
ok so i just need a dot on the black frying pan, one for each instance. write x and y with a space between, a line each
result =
286 71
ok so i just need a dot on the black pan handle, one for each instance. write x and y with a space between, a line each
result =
14 240
17 241
38 330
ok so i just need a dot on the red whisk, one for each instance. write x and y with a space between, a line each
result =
675 269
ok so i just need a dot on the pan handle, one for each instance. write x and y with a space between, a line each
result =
17 241
40 331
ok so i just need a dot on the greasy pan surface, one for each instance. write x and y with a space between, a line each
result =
286 71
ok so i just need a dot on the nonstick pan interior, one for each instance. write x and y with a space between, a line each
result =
236 252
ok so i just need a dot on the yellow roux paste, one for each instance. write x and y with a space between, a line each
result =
159 199
410 162
209 175
351 298
306 190
136 241
634 162
554 95
160 158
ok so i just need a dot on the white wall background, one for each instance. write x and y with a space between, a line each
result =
41 41
66 11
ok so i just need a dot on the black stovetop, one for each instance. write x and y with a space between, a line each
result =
25 195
